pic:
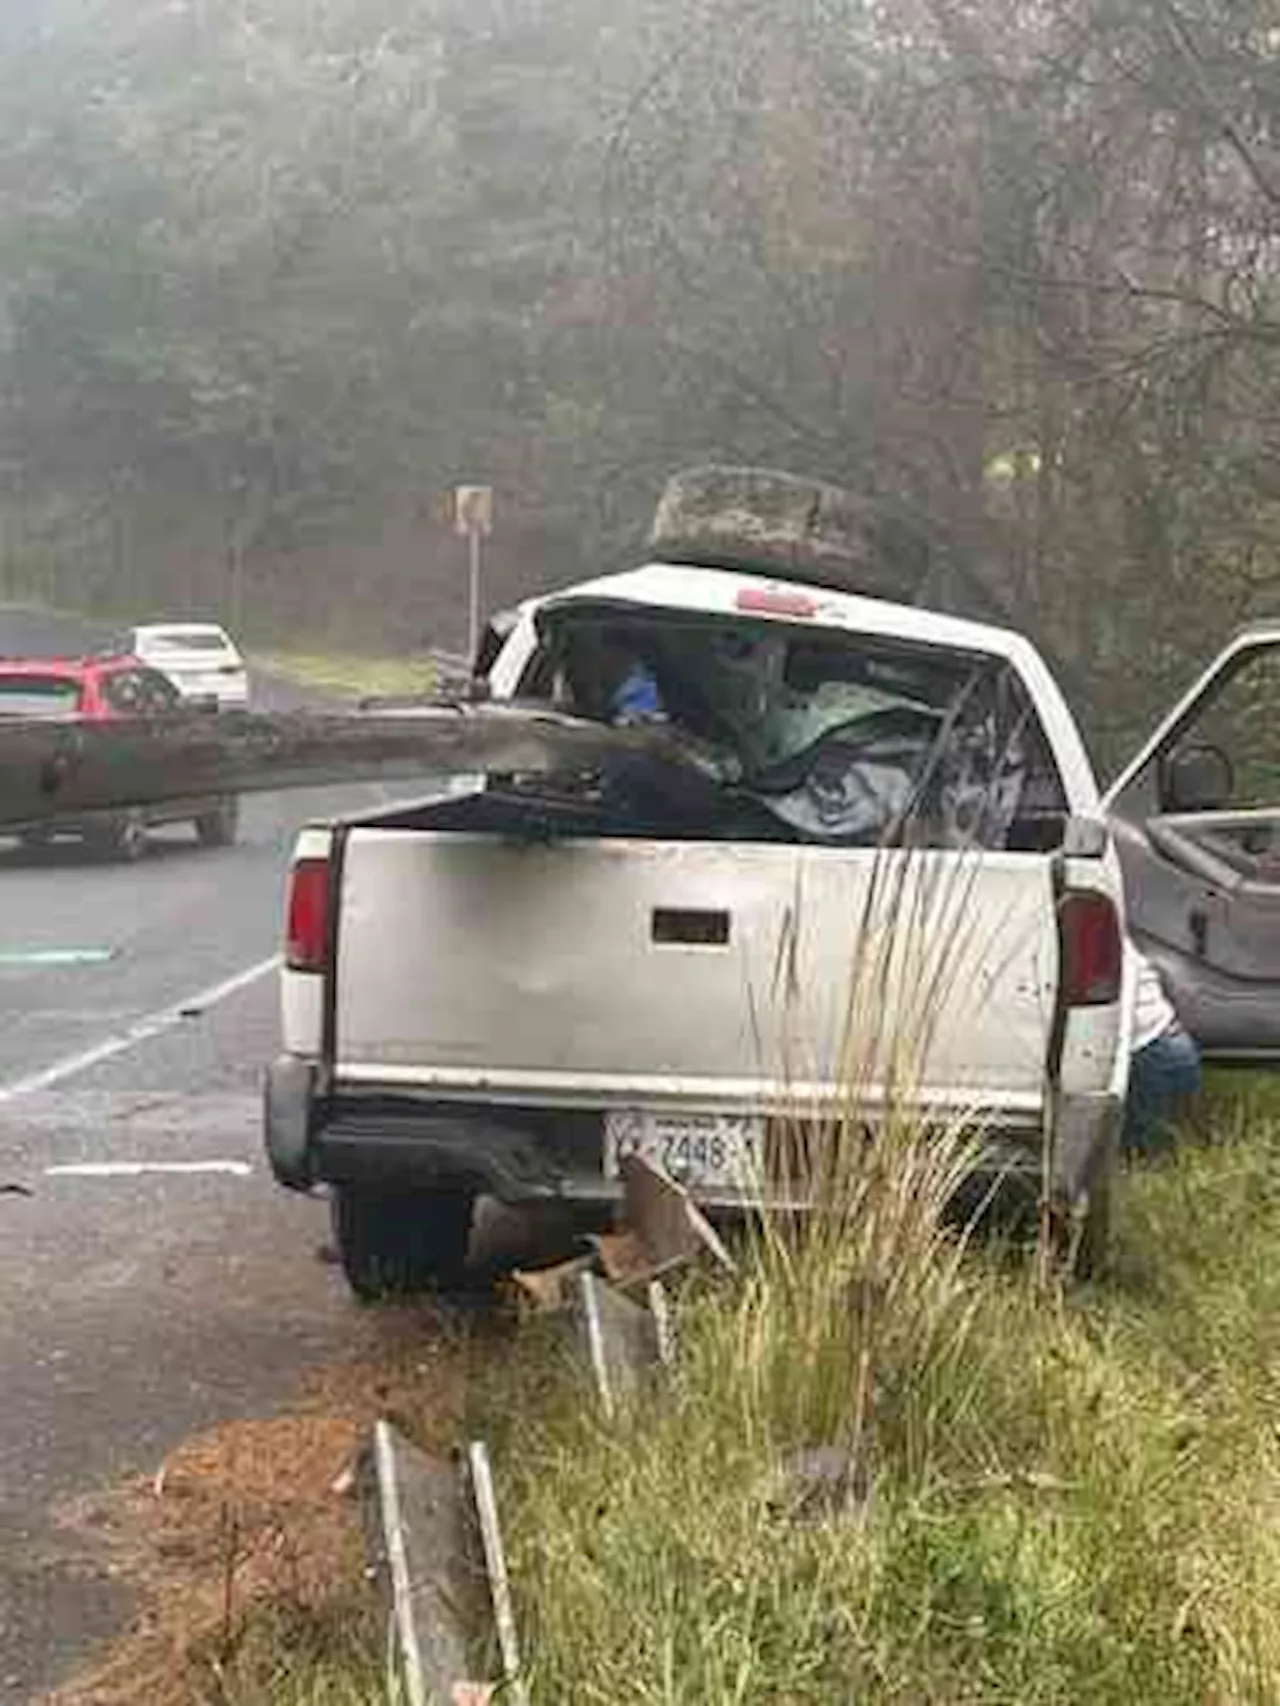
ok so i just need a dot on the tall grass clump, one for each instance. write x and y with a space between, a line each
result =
852 1300
889 1467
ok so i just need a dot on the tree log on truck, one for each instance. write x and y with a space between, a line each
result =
49 770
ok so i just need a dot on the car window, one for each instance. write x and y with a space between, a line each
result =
39 696
138 692
185 640
1240 721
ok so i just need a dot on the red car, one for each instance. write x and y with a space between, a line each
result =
100 689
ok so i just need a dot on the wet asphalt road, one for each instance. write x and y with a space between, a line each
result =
134 1309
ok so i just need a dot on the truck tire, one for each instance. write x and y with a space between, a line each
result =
398 1244
122 837
219 827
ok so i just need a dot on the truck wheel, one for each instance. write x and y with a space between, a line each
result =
219 827
393 1245
121 837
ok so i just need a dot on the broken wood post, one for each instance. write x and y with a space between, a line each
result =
406 1649
423 1543
664 1328
496 1566
621 1339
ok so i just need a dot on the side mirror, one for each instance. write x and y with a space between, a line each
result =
1196 779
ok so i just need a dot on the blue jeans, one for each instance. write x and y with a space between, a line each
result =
1164 1078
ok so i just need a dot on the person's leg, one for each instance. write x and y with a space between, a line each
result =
1164 1080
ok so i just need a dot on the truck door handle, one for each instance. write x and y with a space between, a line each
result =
690 927
1198 921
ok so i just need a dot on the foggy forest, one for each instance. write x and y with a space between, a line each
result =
279 273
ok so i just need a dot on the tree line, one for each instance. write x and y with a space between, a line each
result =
274 274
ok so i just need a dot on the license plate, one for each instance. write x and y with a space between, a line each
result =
702 1151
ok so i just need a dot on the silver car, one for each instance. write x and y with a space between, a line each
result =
1196 819
199 658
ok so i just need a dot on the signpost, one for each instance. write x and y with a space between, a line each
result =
473 516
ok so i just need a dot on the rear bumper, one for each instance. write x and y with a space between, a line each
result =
514 1154
231 695
540 1154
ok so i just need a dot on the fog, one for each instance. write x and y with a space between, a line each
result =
279 273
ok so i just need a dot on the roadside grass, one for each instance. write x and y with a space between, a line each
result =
350 674
1050 1498
299 1656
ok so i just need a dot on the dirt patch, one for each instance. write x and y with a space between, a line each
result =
422 1389
250 1517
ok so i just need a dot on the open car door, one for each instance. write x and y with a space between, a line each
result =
1196 820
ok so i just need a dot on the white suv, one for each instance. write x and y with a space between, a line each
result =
199 659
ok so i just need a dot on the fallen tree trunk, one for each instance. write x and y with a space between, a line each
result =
61 770
764 521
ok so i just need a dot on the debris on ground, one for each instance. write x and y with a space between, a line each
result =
249 1516
820 1484
242 1514
548 1290
420 1530
265 1513
618 1338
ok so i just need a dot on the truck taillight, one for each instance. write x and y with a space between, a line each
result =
776 601
307 937
1092 952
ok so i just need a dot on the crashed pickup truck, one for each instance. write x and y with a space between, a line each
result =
506 990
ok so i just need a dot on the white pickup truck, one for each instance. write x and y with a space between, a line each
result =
503 990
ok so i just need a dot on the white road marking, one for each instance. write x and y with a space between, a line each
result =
153 1025
135 1169
73 1015
56 956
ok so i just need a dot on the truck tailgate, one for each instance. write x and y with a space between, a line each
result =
633 972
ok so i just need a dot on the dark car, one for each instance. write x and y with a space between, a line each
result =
108 689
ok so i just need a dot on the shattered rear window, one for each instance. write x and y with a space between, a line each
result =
842 738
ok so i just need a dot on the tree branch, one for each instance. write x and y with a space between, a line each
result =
1179 33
